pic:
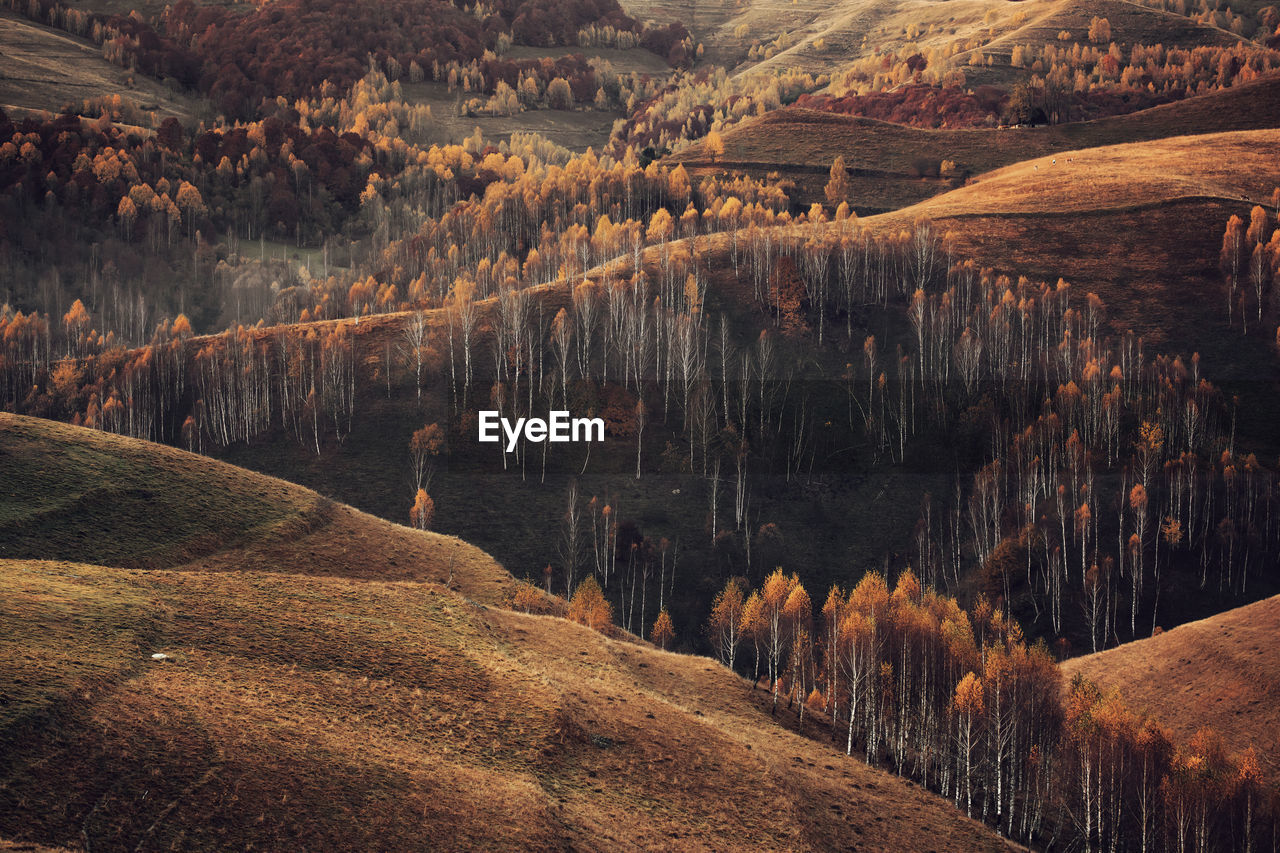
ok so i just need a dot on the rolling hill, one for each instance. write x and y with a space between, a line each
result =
1057 216
893 165
823 37
47 69
1131 23
1235 166
1170 199
319 700
1220 672
92 497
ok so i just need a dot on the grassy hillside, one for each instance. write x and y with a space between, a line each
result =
86 496
327 713
1131 23
1220 672
889 164
46 69
1236 166
350 711
819 36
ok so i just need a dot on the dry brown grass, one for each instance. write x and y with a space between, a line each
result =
330 713
576 129
825 36
46 69
1131 23
1221 672
88 496
884 158
855 27
1237 166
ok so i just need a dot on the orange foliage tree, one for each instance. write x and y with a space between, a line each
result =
589 607
724 628
423 511
424 446
663 632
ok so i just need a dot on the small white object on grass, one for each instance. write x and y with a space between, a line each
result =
159 656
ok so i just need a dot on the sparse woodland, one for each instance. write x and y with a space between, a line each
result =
733 342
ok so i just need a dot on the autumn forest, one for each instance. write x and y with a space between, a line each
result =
936 350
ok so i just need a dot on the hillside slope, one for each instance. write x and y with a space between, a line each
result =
47 69
818 37
86 496
1235 166
1170 198
890 164
1220 672
1161 281
327 712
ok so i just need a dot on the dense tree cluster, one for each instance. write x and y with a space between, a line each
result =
919 105
1251 20
126 40
123 203
1250 265
959 702
297 48
1074 82
270 52
694 104
261 177
563 84
910 65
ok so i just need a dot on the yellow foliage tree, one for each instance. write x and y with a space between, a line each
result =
588 606
423 511
837 188
662 632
